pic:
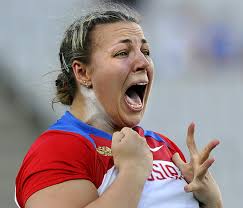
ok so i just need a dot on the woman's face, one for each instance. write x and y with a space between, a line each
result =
122 71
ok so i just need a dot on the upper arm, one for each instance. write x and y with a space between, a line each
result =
53 160
69 194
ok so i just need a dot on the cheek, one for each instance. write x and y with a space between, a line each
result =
150 72
101 87
108 78
111 74
108 84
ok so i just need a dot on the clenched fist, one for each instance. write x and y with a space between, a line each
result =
131 153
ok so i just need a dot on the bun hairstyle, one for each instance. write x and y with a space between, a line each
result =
76 44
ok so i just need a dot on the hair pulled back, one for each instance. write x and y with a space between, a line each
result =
76 44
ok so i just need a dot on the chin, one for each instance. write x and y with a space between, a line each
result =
128 118
132 120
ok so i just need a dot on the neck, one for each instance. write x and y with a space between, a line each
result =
88 109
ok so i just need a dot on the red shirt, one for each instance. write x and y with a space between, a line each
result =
70 150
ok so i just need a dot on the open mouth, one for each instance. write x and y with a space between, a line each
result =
134 96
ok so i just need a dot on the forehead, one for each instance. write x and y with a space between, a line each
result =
110 34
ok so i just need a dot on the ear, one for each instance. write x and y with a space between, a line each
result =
82 73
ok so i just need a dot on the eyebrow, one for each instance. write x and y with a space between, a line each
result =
129 41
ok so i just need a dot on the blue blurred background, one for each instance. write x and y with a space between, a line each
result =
197 47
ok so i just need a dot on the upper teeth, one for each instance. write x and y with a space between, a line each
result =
141 83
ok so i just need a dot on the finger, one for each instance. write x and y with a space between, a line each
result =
117 137
178 161
191 187
190 140
129 132
125 130
207 150
204 168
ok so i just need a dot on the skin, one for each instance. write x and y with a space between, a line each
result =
120 57
195 172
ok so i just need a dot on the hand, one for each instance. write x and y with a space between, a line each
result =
131 153
196 173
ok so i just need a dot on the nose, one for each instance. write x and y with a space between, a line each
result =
141 62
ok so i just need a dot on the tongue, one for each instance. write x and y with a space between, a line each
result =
133 98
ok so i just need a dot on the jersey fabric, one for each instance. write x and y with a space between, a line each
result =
71 149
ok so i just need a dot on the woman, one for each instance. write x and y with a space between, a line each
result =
106 79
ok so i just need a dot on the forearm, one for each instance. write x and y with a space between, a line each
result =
218 204
125 191
214 197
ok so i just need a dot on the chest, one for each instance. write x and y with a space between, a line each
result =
163 188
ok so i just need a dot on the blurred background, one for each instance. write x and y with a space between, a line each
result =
197 47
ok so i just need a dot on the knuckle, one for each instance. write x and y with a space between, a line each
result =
125 130
208 148
115 133
194 158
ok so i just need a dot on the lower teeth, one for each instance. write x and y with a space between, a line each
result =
135 106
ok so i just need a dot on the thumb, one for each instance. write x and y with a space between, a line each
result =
178 161
191 187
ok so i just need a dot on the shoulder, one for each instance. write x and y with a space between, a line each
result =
55 157
60 140
54 144
56 149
